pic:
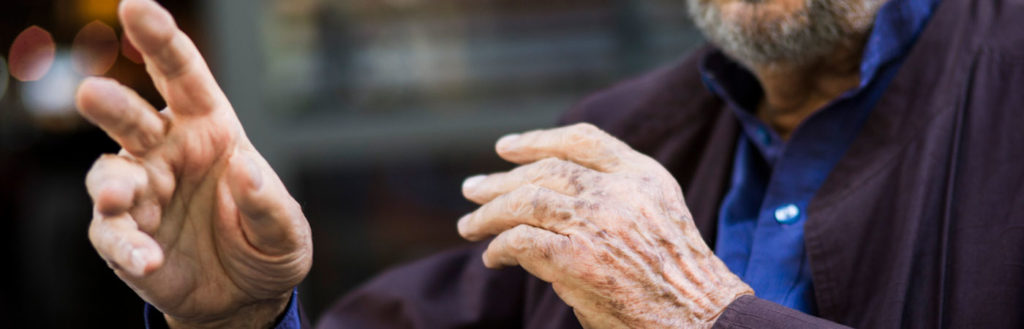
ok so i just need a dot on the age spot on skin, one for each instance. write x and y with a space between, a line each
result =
616 305
579 205
574 182
540 209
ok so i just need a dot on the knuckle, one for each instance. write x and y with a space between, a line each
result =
586 127
548 163
561 244
129 123
172 49
536 194
519 238
504 244
577 138
517 207
527 192
545 167
151 136
592 132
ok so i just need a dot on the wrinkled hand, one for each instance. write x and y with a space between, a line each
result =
605 225
188 214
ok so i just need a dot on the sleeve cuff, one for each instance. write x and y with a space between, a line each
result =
752 312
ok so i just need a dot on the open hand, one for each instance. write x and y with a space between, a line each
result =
188 214
607 226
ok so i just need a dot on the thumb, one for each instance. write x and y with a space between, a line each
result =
270 218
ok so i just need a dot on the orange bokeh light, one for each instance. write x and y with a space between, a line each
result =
31 54
94 49
104 10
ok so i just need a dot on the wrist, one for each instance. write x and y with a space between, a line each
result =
722 288
261 314
710 322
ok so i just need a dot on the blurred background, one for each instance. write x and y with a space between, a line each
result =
372 111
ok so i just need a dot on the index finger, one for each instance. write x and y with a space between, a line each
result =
178 70
581 143
531 205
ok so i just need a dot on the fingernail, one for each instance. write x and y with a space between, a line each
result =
139 261
469 183
505 140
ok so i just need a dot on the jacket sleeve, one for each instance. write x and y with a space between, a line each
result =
752 312
449 290
292 318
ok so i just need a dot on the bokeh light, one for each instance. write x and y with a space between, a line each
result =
31 54
52 96
94 49
3 77
105 10
129 51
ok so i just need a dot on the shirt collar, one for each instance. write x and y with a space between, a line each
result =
897 25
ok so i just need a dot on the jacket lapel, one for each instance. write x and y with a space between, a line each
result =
884 190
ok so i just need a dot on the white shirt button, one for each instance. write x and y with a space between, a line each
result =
787 213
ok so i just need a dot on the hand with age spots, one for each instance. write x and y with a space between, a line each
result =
189 215
607 226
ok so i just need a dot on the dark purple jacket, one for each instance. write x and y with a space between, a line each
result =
920 225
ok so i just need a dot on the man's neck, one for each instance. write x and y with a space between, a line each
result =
794 92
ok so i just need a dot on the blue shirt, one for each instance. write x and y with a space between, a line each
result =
761 220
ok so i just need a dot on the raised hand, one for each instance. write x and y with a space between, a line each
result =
607 226
188 214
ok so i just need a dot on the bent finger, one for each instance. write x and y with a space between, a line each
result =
531 205
177 68
538 251
551 173
271 218
121 113
580 143
127 250
113 183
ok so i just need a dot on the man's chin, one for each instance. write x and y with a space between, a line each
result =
758 12
770 32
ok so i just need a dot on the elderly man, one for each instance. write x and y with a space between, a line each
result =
850 162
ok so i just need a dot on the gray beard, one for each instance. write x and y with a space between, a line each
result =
798 39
